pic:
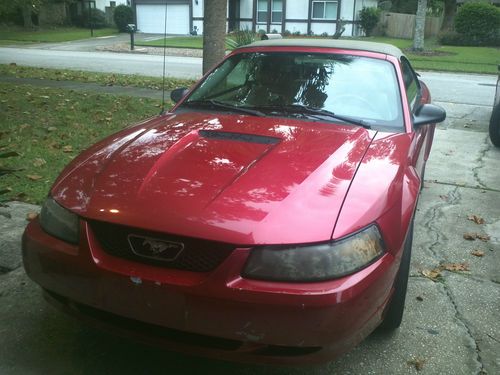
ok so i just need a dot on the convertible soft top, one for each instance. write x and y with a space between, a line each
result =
384 48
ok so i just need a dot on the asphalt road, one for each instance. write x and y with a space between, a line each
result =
124 63
451 326
446 87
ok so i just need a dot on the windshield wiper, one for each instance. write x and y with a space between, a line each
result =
317 112
218 104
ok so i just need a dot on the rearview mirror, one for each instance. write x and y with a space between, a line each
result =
428 114
177 94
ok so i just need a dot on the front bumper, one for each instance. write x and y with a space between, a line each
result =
216 314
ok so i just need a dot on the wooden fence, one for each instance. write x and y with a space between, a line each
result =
399 25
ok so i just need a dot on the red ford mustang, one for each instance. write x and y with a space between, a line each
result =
266 217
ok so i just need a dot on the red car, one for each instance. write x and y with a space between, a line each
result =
267 217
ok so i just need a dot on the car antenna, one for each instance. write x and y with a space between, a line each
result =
164 58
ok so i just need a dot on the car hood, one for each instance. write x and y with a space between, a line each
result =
238 179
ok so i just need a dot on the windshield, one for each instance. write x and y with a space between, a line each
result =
287 84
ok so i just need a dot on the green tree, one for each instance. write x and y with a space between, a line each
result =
214 32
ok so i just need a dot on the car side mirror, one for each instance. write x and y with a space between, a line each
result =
428 114
177 94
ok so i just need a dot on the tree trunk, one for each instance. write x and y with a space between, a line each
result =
214 33
450 8
418 38
26 10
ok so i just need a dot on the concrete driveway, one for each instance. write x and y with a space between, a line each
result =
451 325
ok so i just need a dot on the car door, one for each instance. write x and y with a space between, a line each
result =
417 94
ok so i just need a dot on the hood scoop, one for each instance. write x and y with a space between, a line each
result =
238 137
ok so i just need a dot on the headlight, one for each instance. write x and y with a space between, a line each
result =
59 222
315 262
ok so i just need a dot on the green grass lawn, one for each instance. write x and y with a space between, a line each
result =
62 34
105 79
453 58
180 42
448 58
42 129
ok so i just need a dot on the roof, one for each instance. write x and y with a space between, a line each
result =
386 49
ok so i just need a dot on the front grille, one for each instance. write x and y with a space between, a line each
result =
197 255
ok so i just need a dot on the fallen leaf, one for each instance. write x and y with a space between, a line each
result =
420 298
418 363
68 148
476 219
433 274
483 237
38 162
455 267
34 177
477 253
470 236
31 216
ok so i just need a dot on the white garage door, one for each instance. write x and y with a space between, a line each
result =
151 18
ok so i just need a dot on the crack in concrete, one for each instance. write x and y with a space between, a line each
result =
463 186
5 270
435 212
463 321
480 161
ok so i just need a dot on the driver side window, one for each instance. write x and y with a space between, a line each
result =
411 83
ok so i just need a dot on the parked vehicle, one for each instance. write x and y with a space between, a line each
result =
495 116
267 217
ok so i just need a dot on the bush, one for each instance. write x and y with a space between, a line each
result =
240 38
98 19
287 33
452 38
368 19
122 16
478 22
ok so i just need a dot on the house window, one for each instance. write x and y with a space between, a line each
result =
324 10
262 11
277 11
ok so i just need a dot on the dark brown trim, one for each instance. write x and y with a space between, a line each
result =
269 15
283 16
254 20
190 17
309 14
339 9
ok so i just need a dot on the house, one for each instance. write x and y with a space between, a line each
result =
296 16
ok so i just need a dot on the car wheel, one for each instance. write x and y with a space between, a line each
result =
495 126
394 310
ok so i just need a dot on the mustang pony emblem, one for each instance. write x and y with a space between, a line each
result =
154 248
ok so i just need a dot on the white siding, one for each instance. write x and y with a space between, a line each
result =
197 9
297 9
246 9
244 25
319 28
296 26
199 25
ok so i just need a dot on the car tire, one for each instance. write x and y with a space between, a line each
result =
495 126
394 310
